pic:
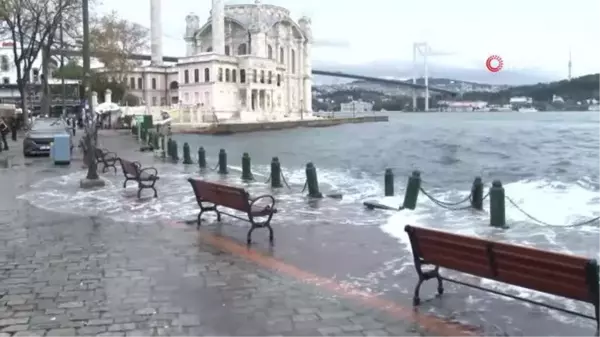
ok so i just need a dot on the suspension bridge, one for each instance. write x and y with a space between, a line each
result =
172 59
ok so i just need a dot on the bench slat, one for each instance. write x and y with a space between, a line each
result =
227 196
546 285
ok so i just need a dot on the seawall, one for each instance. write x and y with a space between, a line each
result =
230 128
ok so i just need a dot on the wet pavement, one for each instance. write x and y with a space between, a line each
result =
105 263
68 273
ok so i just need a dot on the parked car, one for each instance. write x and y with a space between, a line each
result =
41 135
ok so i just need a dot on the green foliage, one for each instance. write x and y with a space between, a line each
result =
70 71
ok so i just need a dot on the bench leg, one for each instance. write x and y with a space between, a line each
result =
416 298
155 192
125 183
139 193
103 167
271 235
249 236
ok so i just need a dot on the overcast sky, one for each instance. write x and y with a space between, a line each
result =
532 34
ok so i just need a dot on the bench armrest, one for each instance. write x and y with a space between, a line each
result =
110 155
151 169
264 196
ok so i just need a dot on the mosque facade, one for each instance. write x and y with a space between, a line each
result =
249 62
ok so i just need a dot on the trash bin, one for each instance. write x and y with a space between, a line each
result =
61 149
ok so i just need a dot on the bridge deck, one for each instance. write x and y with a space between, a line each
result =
143 57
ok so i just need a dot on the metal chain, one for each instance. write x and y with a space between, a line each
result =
446 205
531 217
284 180
215 168
305 185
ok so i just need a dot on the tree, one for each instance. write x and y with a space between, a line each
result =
114 40
70 71
31 24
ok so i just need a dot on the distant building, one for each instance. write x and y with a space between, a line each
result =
356 106
458 106
557 99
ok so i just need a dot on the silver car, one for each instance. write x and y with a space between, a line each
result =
41 135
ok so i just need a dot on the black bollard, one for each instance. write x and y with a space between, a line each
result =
162 146
412 191
312 182
388 182
497 206
155 144
275 173
201 158
223 162
187 159
477 194
174 151
246 167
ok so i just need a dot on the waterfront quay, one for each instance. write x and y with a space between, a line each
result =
230 128
81 274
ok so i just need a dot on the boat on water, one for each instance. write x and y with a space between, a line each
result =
530 109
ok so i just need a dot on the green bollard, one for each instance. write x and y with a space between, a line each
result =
143 135
155 143
275 173
162 146
201 158
174 151
169 147
187 159
246 167
497 206
223 162
412 191
477 194
312 181
388 182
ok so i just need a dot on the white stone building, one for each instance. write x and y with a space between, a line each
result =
249 62
356 106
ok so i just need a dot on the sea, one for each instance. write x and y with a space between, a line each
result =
547 162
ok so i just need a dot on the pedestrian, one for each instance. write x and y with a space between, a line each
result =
4 129
73 126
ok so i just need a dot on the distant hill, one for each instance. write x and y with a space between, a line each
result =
577 89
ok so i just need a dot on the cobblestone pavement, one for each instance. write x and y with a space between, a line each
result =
66 274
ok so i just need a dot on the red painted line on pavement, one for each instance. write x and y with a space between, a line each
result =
430 323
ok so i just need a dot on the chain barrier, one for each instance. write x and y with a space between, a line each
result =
268 180
305 186
284 180
216 167
531 217
448 205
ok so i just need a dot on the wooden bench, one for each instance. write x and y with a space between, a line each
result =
107 159
145 177
553 273
212 195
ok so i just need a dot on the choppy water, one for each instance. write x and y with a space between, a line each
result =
547 162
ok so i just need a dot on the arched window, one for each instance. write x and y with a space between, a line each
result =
196 75
141 83
278 80
209 49
262 76
206 75
227 50
270 51
242 49
242 75
154 84
255 76
293 61
233 75
270 80
227 75
281 55
186 76
220 75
